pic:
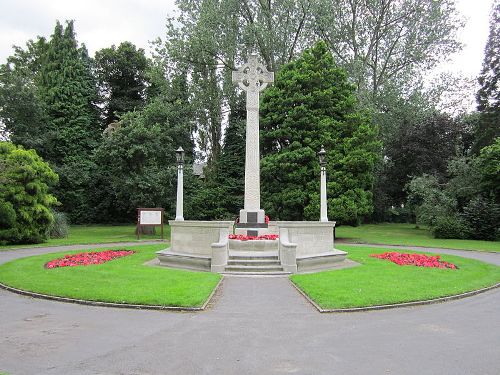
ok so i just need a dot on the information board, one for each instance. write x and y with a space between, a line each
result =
149 217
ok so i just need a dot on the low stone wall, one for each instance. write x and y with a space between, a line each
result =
307 246
312 237
193 243
196 237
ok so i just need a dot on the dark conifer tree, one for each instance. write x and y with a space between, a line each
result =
122 79
488 96
313 104
68 91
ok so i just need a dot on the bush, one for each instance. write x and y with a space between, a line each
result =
482 217
450 227
60 226
25 203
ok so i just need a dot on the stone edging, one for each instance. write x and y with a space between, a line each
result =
112 304
395 305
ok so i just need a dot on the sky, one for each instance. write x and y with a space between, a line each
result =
102 23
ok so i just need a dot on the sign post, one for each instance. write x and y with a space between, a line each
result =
149 217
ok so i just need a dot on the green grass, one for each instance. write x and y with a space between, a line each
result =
380 282
125 279
407 234
92 234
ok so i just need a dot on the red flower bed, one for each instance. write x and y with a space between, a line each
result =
242 237
86 259
419 260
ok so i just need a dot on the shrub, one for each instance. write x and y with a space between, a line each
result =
60 226
482 217
25 203
451 226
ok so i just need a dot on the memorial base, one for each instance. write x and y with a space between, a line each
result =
252 223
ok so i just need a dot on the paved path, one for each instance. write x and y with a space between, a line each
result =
255 326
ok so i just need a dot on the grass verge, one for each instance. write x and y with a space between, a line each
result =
380 282
408 235
93 234
123 280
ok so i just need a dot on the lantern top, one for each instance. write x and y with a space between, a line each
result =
322 156
179 153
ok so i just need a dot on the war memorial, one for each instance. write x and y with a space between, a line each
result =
258 246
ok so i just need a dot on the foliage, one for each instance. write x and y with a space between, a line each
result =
21 108
220 196
136 162
420 145
48 102
312 104
482 217
25 203
380 42
489 167
60 226
428 200
462 207
452 226
488 96
122 80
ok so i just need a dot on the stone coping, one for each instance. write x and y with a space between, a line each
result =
186 255
200 223
304 224
325 254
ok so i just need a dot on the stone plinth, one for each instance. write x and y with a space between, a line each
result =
307 246
194 244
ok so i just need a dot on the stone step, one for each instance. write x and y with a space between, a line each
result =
259 269
260 258
254 262
258 274
253 254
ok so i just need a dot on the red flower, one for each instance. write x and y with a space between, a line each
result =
85 259
242 237
419 260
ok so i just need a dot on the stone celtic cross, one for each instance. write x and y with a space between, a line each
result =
252 77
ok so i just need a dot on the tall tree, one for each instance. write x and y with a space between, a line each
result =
122 79
381 41
211 37
422 144
313 104
488 96
21 109
68 91
136 164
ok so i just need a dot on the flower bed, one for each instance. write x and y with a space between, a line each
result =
419 260
242 237
86 259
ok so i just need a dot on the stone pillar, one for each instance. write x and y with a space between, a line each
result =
324 203
179 209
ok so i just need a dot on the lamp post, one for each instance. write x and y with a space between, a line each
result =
179 211
322 163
